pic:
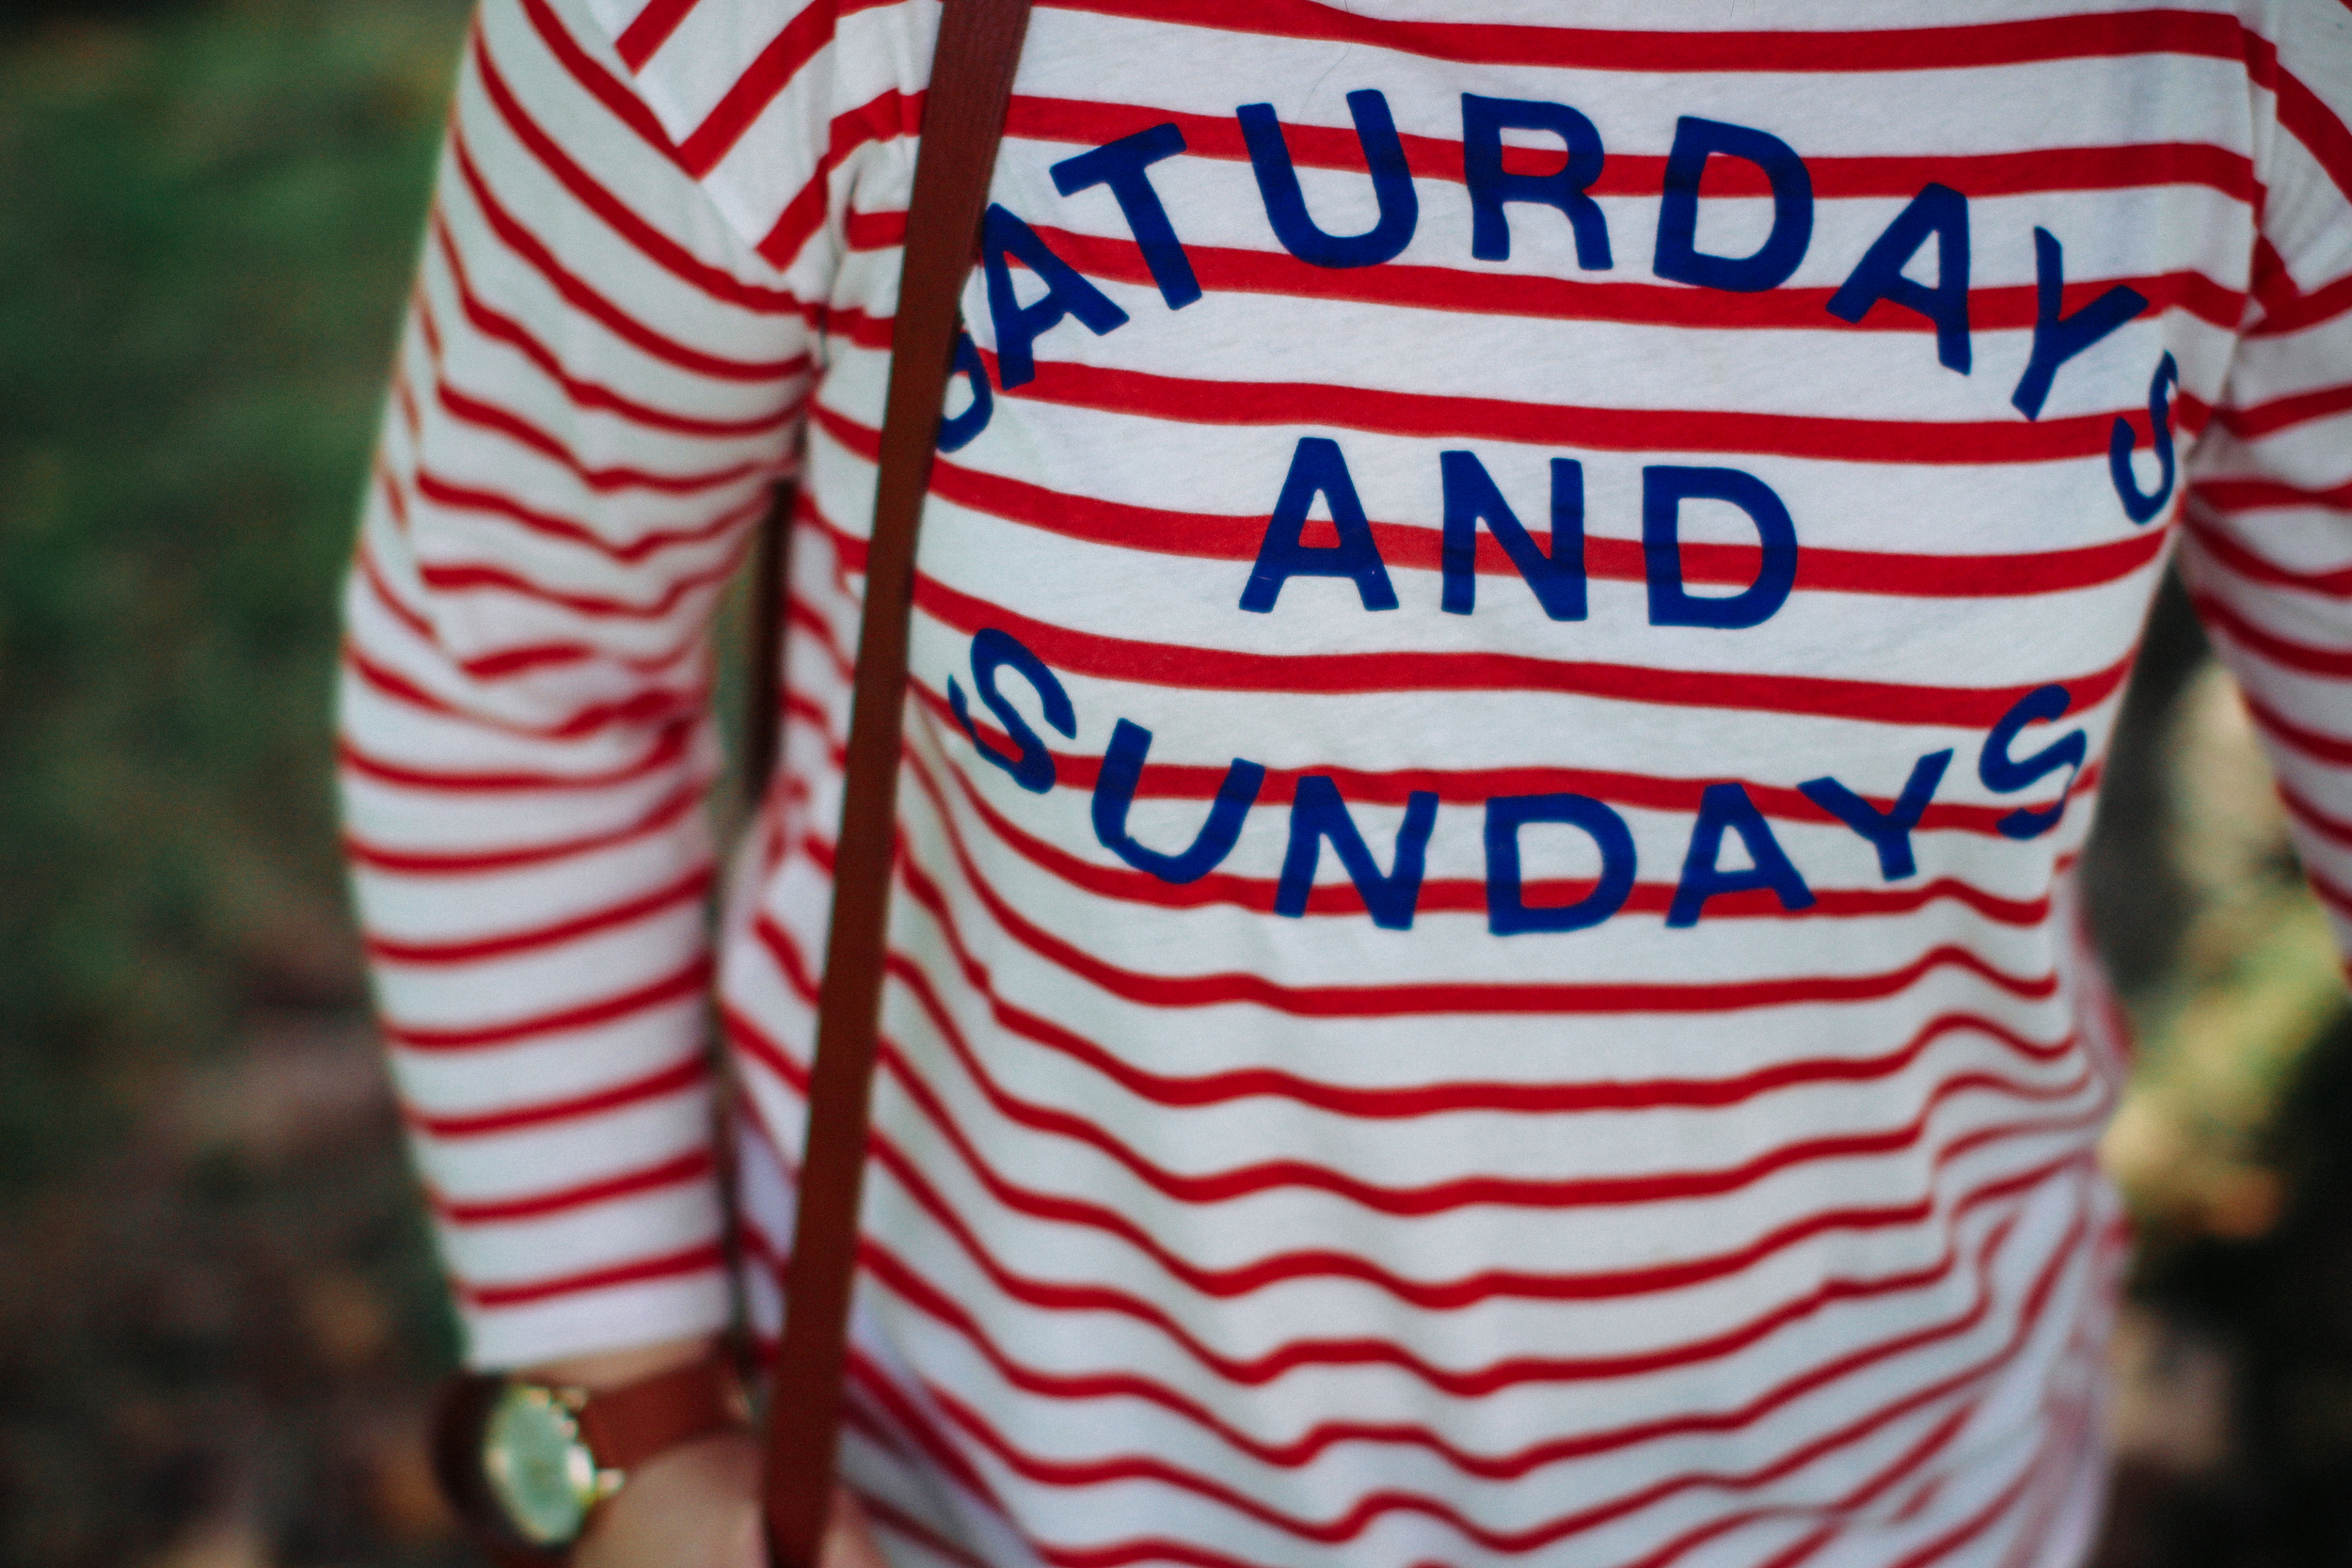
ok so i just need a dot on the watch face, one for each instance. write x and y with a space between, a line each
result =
539 1470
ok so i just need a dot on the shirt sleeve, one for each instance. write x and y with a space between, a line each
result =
598 385
2267 547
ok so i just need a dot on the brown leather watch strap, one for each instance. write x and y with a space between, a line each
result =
963 117
459 1414
629 1426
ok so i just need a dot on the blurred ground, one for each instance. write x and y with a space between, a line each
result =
217 1317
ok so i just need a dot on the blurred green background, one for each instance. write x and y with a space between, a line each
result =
215 1310
217 1317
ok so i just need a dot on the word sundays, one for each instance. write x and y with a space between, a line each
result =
1937 212
1320 815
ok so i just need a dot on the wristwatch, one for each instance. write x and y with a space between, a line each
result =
527 1465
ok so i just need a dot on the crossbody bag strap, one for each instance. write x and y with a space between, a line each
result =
963 117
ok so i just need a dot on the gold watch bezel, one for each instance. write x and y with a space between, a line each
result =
541 1472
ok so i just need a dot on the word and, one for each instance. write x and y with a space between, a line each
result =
1554 571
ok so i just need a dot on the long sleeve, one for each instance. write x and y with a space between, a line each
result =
2267 550
597 386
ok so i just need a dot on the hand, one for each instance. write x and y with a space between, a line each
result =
697 1505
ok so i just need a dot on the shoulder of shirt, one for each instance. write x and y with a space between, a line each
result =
752 97
709 70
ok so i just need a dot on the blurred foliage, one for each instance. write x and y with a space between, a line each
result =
2232 1412
207 220
220 1316
2252 983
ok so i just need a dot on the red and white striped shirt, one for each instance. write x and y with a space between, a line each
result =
1514 631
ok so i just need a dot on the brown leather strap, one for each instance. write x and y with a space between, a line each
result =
460 1413
963 117
629 1426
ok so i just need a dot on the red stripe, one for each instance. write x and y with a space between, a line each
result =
2306 117
665 665
588 394
656 245
1405 1000
2258 495
1483 1381
915 1420
646 709
2225 549
1050 1296
852 324
770 71
423 306
1222 670
1318 407
2300 313
651 28
2126 166
671 989
522 658
2308 120
811 621
402 393
2334 896
1976 1374
502 664
951 1311
1513 1099
893 1520
2329 663
630 552
2281 413
488 416
708 1257
1422 1100
2320 748
1474 786
2334 829
1458 894
679 804
1369 1507
1234 270
691 1073
1435 1098
695 1166
608 89
873 231
1220 536
518 239
886 118
686 890
1270 1270
2269 284
1872 51
363 563
1242 1181
665 749
1978 1523
461 577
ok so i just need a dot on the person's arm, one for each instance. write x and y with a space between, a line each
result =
2267 547
598 383
696 1506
